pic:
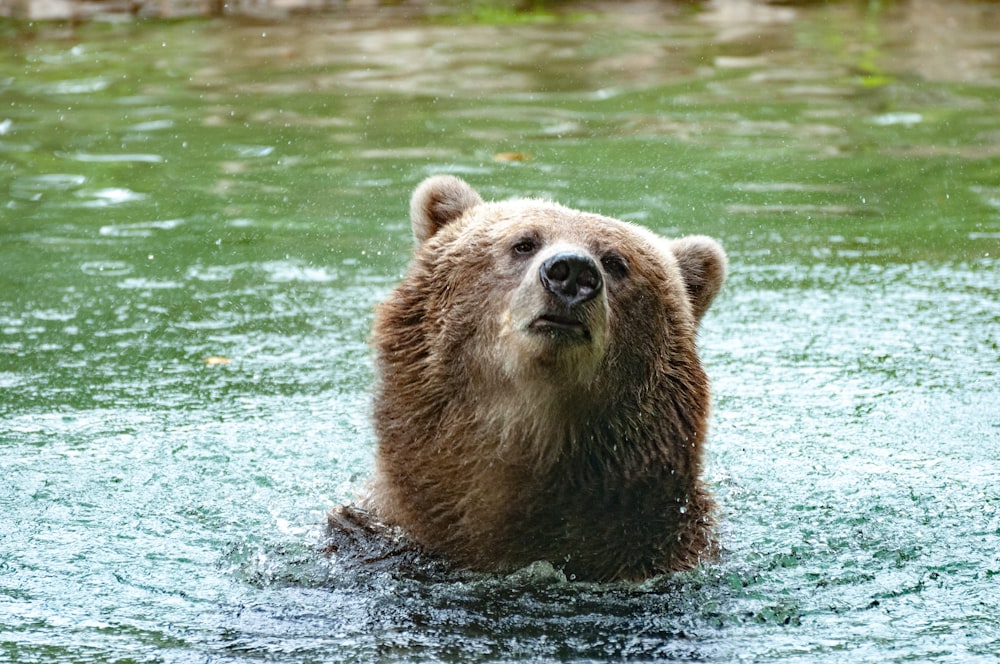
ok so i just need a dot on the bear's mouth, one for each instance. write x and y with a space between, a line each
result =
560 326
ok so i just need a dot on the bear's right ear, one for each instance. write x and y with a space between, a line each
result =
439 200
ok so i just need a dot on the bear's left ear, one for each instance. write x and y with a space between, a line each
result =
437 201
703 266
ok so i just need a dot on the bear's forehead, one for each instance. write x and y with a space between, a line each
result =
552 222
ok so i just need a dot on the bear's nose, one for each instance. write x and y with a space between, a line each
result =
574 278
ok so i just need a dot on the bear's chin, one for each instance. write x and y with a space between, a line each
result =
552 354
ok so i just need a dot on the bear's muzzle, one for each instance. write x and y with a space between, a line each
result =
571 281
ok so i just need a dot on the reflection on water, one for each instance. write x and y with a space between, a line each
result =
197 218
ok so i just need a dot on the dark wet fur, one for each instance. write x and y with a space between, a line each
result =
356 539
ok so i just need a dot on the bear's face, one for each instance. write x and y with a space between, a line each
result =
540 392
542 295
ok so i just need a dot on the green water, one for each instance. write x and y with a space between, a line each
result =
171 192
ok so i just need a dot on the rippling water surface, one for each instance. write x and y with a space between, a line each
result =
197 217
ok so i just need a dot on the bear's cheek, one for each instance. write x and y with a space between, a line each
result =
514 343
526 303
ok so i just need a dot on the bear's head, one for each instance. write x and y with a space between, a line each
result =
534 356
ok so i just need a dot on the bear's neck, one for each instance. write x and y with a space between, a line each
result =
541 428
541 425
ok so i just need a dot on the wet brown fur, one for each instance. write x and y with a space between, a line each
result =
498 447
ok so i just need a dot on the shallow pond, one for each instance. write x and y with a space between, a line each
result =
196 219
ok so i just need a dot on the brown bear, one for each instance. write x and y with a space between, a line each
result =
540 395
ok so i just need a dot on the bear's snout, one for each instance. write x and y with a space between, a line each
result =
573 278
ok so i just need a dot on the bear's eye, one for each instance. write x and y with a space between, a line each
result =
525 246
615 266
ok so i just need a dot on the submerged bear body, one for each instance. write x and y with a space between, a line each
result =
540 395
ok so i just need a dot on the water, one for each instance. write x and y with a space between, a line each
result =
197 218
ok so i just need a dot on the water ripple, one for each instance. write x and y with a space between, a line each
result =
140 229
111 158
